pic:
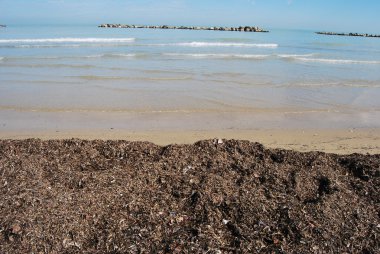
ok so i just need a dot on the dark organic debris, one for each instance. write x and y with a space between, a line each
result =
76 196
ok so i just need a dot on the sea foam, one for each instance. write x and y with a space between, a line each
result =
295 55
219 56
197 44
61 40
335 61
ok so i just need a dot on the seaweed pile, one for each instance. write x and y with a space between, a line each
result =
215 196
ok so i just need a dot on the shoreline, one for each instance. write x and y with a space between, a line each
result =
338 141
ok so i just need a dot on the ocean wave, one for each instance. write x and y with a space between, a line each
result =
47 46
312 58
96 77
63 40
335 61
197 44
296 55
136 78
55 65
113 55
363 84
107 55
219 56
63 45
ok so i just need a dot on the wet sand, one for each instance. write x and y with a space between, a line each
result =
333 132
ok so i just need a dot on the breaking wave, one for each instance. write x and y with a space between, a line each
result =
65 45
295 55
107 55
62 40
111 55
305 58
312 58
197 44
335 61
219 56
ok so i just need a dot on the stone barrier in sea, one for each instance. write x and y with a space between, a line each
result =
238 29
350 34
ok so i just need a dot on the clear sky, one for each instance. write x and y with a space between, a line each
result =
337 15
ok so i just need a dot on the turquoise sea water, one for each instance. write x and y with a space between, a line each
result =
90 69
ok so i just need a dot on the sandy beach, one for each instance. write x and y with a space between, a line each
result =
345 141
332 132
174 136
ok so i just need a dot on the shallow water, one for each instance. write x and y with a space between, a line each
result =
90 69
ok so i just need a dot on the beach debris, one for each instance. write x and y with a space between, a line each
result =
187 169
16 228
72 196
67 243
225 221
218 141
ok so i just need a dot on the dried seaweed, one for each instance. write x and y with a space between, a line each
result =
215 196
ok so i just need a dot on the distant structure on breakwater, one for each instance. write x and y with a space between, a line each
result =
350 34
238 29
3 26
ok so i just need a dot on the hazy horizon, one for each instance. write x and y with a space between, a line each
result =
335 15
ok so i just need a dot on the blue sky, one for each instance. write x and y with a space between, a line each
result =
340 15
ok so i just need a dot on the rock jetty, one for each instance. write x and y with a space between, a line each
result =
350 34
238 29
3 26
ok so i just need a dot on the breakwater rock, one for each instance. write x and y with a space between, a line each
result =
3 26
350 34
238 29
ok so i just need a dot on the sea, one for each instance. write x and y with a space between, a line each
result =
124 78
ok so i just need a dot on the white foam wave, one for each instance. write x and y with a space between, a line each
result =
49 46
109 55
219 56
62 40
335 61
106 56
197 44
119 55
64 45
78 66
294 55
